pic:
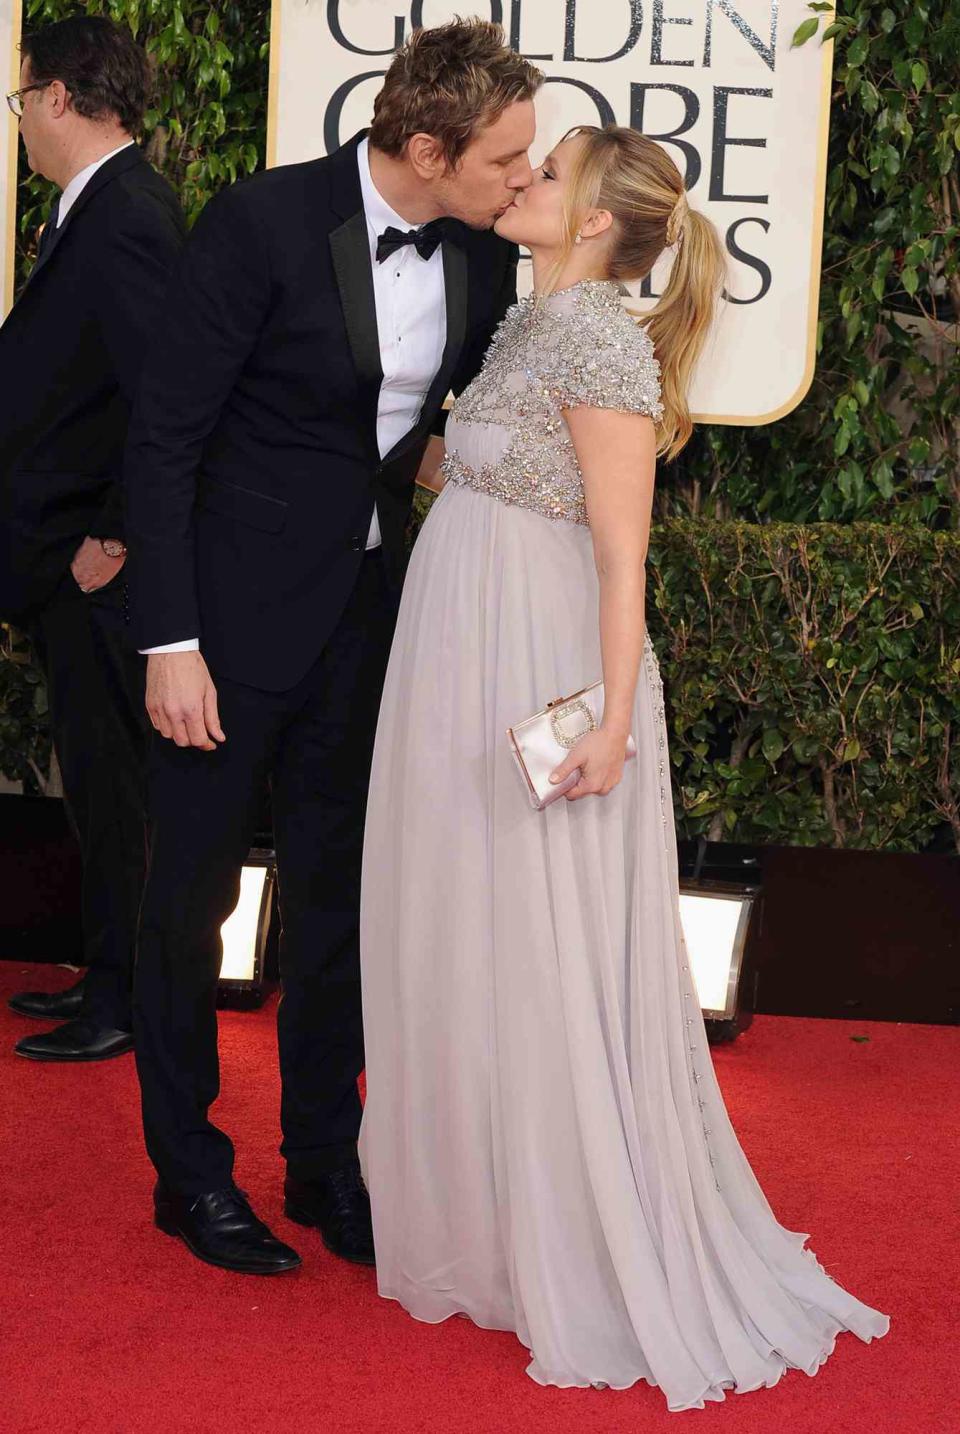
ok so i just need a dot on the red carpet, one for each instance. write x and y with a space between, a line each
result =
108 1327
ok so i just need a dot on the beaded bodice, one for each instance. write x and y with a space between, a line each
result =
506 435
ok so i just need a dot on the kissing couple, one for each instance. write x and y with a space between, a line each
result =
544 1143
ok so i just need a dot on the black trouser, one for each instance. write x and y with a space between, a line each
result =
314 744
99 726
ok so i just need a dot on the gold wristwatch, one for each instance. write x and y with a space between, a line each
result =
113 547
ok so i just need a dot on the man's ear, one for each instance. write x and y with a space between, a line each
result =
58 98
426 156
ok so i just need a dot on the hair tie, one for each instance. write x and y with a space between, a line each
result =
675 222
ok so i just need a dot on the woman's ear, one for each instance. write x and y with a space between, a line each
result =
596 222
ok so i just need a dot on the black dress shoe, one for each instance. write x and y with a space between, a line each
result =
49 1005
80 1040
221 1229
338 1205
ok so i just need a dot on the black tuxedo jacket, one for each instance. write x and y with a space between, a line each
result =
70 352
252 466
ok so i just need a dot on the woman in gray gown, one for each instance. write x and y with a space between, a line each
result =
544 1141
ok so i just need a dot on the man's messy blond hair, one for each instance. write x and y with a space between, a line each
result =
450 82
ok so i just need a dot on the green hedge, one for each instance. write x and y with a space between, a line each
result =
812 680
24 734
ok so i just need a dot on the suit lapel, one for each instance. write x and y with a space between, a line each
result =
49 245
119 164
350 253
455 287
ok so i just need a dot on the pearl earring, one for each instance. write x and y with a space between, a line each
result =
579 239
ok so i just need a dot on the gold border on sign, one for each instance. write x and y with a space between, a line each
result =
816 256
273 83
816 238
9 218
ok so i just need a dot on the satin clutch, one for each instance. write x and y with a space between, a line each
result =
540 743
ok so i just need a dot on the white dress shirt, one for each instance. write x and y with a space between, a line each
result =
411 320
411 311
80 180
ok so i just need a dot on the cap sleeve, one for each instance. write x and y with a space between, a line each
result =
609 366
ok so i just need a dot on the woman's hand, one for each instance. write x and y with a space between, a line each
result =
600 755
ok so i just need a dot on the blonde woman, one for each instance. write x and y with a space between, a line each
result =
544 1141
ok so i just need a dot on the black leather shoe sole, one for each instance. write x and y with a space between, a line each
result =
300 1216
121 1048
281 1266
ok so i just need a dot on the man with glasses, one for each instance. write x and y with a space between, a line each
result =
70 353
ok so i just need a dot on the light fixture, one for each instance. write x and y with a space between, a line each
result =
716 920
245 932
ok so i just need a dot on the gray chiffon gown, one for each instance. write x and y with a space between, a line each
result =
544 1141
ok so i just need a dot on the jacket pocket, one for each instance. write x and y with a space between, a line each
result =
257 510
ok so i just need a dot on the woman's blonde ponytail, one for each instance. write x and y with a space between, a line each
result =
681 320
626 173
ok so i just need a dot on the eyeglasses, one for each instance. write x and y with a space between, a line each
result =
15 97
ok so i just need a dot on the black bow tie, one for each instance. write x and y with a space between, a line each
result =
424 240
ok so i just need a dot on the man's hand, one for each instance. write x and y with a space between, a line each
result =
428 475
182 700
92 568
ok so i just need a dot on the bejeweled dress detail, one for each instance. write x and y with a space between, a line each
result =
544 1141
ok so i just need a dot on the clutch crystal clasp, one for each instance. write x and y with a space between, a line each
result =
571 720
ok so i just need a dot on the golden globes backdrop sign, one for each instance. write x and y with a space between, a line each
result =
714 81
9 74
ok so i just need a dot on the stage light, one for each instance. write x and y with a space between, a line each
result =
244 934
715 925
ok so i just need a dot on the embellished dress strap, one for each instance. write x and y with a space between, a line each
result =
596 355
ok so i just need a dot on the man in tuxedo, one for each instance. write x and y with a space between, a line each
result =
70 352
321 313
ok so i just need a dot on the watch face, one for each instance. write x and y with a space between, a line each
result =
112 547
